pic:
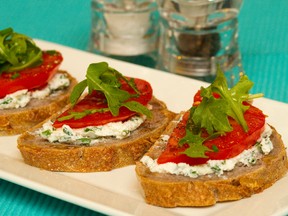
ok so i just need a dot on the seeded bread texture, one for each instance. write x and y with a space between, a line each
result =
16 121
105 156
167 190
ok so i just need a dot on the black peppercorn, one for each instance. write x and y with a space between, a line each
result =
198 45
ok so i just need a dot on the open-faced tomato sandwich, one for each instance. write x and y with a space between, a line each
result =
221 149
110 126
32 87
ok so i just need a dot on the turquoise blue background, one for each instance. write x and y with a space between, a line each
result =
263 38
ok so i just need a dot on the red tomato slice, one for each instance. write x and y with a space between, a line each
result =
198 97
229 145
31 78
97 100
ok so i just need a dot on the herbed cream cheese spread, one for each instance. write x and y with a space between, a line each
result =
21 98
90 135
248 157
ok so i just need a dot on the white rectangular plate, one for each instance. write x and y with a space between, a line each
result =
118 192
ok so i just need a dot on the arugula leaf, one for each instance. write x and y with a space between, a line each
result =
79 115
212 113
77 91
101 77
196 148
135 106
115 96
17 51
234 96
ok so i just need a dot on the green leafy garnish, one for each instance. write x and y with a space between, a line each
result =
101 77
196 149
212 114
17 51
79 115
134 106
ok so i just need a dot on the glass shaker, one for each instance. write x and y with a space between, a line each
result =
197 36
126 30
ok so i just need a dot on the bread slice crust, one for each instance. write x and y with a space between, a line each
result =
168 190
16 121
111 154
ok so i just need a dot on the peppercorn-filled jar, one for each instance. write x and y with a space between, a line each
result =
197 36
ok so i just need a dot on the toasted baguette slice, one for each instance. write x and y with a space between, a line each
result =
16 121
168 190
111 154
